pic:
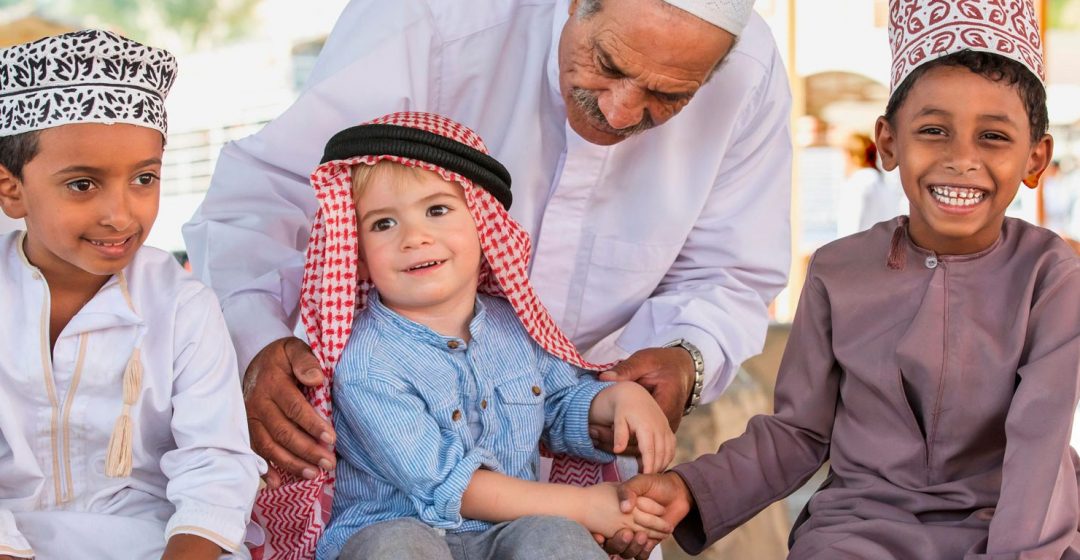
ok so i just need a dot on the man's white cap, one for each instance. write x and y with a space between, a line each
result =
729 15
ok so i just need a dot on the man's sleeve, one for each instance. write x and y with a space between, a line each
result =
777 454
388 430
213 473
1036 514
737 256
247 239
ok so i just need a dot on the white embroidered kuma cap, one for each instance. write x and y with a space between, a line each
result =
85 76
729 15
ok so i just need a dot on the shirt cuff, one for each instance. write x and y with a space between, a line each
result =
223 526
576 428
445 513
718 371
12 542
255 320
691 533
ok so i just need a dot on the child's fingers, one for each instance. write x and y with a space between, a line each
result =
647 448
653 526
669 451
622 436
649 506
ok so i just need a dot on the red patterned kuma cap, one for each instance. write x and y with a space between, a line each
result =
924 30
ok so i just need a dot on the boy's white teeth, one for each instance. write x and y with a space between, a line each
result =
424 265
957 196
105 244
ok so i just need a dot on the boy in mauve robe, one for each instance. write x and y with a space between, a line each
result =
934 359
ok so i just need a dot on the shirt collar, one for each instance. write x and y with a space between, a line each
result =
395 322
106 309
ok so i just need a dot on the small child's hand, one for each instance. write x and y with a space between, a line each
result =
604 517
636 412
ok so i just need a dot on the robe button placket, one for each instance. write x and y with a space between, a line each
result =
931 262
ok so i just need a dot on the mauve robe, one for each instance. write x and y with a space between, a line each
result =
942 393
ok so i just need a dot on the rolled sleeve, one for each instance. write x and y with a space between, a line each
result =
566 410
213 473
12 541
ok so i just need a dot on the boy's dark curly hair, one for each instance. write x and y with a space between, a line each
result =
18 149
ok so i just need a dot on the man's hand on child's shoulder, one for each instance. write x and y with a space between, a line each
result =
285 429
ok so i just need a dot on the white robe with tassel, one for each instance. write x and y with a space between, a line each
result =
193 469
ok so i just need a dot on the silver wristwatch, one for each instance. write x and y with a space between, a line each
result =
699 372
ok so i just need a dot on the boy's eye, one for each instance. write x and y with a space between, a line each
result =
80 185
383 224
995 136
146 179
438 210
931 130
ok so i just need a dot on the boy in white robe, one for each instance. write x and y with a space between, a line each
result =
122 431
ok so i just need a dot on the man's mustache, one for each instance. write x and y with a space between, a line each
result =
589 103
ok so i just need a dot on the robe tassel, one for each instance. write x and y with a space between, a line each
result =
897 255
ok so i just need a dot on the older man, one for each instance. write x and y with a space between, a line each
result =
651 245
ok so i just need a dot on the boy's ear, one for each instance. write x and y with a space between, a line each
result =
11 195
886 143
1039 160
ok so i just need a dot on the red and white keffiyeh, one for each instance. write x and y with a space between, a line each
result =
924 30
295 514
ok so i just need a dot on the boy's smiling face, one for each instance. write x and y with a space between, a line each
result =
418 243
89 198
963 146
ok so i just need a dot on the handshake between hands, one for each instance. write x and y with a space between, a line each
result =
649 506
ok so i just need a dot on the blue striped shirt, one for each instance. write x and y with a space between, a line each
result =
404 396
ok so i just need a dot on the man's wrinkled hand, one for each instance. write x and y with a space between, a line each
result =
667 373
285 429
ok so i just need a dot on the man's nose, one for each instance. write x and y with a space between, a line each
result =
623 106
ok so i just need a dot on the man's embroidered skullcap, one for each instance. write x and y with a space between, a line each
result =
729 15
89 76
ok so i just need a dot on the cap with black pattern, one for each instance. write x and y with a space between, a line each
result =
84 76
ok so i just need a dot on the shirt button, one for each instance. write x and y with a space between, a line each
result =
931 261
483 404
536 390
453 344
456 415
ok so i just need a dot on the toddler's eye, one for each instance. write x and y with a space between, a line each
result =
146 179
80 185
383 224
438 210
